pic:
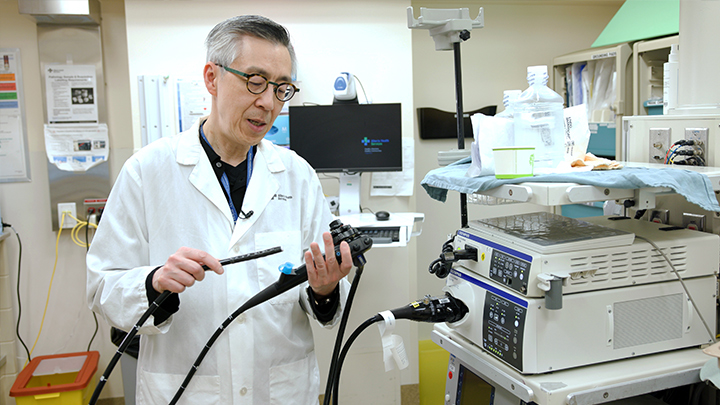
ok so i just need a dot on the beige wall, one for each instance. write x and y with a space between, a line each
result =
369 38
68 325
517 34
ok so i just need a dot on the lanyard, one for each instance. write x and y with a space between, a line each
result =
224 179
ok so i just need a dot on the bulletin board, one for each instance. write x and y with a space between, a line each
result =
14 154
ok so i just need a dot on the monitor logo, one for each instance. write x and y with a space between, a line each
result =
374 142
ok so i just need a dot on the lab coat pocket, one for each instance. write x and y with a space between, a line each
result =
295 383
268 272
159 388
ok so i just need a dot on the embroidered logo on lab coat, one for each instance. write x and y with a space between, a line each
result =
281 197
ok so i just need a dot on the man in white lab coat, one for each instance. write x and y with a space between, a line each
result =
216 191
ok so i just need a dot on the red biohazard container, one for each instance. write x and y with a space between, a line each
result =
59 379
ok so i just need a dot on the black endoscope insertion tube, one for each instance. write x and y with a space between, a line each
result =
358 243
341 332
285 283
430 309
154 306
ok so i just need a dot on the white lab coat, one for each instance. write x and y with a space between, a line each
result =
167 196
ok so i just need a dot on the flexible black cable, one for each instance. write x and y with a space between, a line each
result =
358 244
341 358
697 393
445 308
153 307
285 283
341 333
125 343
441 267
87 248
17 326
97 326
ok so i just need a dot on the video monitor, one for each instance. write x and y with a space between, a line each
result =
349 138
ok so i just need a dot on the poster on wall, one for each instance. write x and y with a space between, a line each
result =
396 183
71 92
14 156
194 102
76 148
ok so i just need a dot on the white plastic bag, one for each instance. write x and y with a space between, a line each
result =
577 132
489 132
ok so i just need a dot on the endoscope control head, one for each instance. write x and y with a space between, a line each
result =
359 243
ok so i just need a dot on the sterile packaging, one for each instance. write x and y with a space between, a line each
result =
489 132
577 132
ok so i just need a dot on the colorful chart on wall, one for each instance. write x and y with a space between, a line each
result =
14 156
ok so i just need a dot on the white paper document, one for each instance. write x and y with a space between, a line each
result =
14 164
71 92
396 183
78 147
12 152
194 102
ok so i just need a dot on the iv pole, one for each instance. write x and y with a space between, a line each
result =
448 27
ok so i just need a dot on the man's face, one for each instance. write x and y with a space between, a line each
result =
244 117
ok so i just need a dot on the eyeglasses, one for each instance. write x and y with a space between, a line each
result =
257 84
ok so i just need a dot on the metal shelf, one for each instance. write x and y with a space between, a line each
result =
592 384
551 194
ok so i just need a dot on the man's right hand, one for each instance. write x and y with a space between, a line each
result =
183 268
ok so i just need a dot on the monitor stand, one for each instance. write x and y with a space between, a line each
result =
349 194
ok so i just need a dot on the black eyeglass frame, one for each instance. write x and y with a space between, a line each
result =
247 77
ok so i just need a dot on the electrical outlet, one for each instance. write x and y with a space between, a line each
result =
659 216
94 208
694 221
659 144
68 222
700 136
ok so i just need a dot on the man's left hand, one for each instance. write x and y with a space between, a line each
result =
324 274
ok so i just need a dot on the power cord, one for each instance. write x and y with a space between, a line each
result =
438 267
52 277
97 325
17 326
441 267
689 153
74 236
76 230
367 101
682 282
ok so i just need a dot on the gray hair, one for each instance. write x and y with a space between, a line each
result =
222 41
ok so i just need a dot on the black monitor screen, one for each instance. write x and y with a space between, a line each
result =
348 137
473 389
